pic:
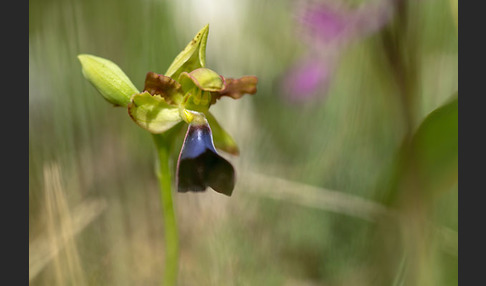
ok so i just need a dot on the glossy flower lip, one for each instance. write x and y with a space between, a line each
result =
200 166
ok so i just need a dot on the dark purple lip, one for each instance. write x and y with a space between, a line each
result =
200 166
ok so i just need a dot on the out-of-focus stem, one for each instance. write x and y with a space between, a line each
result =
402 48
170 223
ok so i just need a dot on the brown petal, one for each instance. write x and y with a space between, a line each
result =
164 86
236 88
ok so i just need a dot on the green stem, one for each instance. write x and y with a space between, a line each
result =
163 145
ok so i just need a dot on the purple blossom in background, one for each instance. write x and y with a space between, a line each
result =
327 29
324 22
305 79
309 75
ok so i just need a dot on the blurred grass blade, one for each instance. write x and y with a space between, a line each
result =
315 197
454 10
337 202
63 223
402 268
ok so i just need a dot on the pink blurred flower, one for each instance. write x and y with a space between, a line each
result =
327 29
305 79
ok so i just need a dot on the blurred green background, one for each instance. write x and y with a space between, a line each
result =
320 197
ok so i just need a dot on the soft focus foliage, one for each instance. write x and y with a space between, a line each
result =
325 192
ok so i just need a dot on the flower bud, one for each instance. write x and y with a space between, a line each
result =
108 79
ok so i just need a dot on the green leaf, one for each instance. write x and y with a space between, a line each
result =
108 79
435 145
222 140
192 57
428 161
153 113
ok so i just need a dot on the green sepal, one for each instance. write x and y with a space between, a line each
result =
222 140
108 79
192 57
152 113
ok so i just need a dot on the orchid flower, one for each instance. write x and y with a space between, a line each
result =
183 94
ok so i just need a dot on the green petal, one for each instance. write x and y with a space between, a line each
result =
197 86
108 79
203 78
222 140
192 57
153 113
